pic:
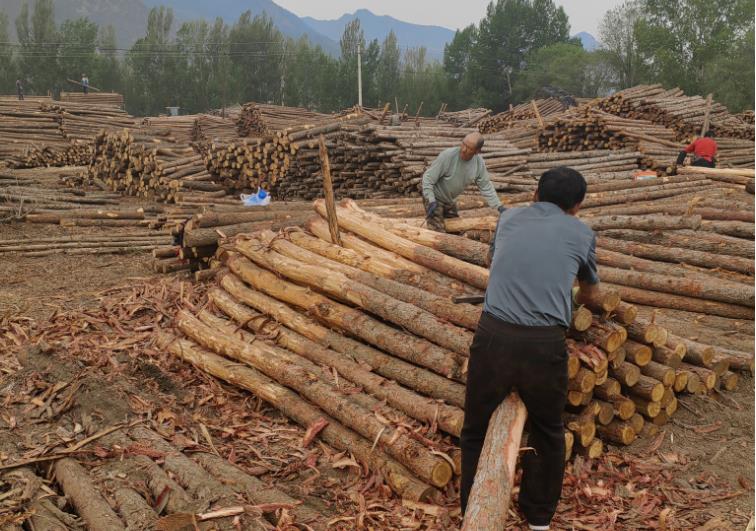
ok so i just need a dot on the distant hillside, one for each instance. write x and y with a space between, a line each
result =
377 27
287 22
127 17
589 41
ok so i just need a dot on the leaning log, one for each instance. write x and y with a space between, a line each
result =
488 502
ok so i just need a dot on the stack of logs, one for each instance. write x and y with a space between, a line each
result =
149 163
112 99
23 125
77 153
259 119
673 109
84 121
363 342
524 112
465 117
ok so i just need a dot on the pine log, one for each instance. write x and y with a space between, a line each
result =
681 380
627 374
648 388
449 418
474 275
637 353
79 489
618 432
339 286
410 348
647 407
584 381
278 364
729 381
666 356
663 373
625 313
302 412
488 502
707 377
607 390
422 380
637 422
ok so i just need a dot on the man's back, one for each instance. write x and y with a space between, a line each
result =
538 252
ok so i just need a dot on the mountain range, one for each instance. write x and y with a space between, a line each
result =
129 18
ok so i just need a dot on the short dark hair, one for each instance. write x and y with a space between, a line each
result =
709 134
562 186
479 143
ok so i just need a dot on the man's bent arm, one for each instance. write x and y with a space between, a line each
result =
487 188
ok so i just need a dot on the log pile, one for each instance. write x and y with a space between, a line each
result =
149 163
208 127
522 113
23 124
84 121
110 99
673 109
181 127
77 153
41 190
259 119
464 118
345 335
85 244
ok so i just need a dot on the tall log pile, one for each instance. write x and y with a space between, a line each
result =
149 163
259 119
364 331
465 117
83 121
23 124
112 99
524 112
181 127
673 109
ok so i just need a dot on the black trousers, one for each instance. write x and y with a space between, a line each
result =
532 360
443 211
703 163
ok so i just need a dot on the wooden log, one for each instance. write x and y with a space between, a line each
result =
474 275
89 503
583 426
681 380
410 348
667 357
729 381
695 352
637 422
623 407
680 302
617 431
488 502
449 418
605 412
422 380
584 381
714 290
637 353
625 313
337 285
648 388
277 364
290 404
134 509
658 371
707 377
627 374
610 388
647 407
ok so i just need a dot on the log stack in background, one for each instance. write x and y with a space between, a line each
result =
259 119
378 313
522 113
673 109
112 99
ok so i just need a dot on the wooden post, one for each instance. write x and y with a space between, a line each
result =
488 503
537 113
385 111
705 126
333 224
417 114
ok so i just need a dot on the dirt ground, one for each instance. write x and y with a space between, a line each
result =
710 441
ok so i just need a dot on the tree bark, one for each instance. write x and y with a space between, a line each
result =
410 348
79 489
449 418
488 503
277 364
293 406
409 375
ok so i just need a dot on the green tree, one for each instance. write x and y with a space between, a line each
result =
352 38
564 65
38 61
7 66
457 61
108 71
682 41
389 69
77 53
256 49
619 42
510 30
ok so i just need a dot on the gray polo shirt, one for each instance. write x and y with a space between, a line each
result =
537 253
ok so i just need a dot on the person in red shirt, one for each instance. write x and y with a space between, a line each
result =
704 150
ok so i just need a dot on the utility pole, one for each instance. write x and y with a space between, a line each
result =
283 74
359 75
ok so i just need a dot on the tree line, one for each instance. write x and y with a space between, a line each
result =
516 50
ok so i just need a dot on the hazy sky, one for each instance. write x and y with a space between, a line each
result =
584 14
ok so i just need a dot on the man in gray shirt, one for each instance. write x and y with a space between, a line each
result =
454 170
538 252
